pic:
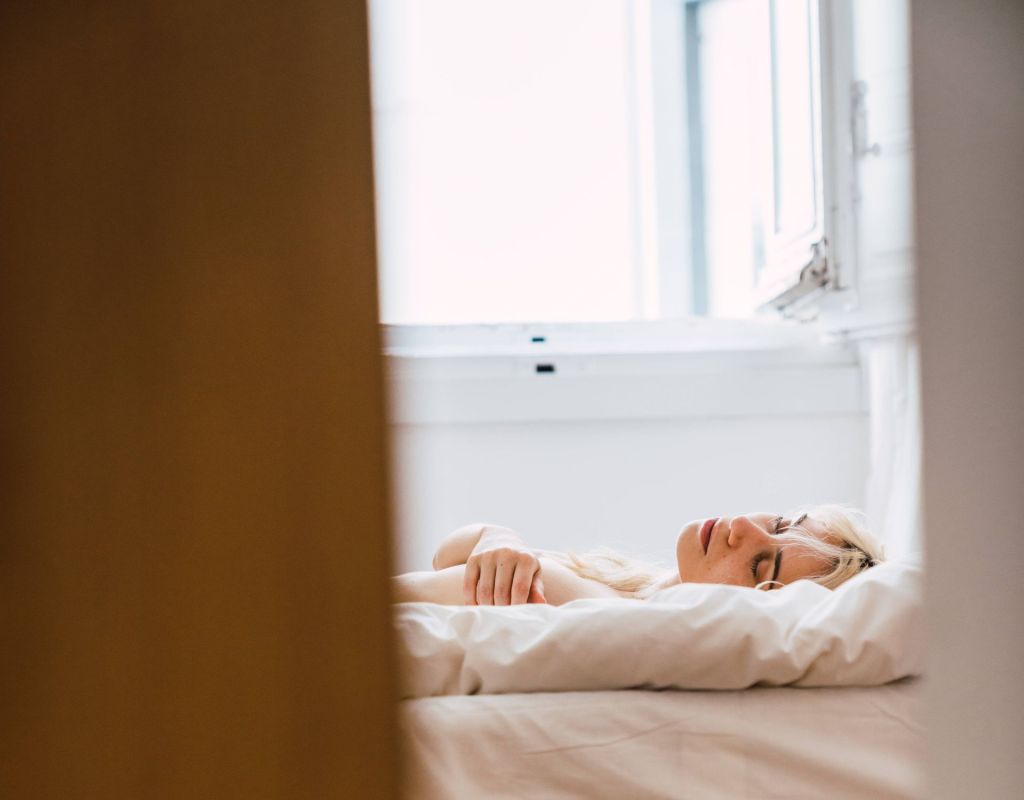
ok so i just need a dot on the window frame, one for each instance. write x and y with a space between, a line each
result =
817 271
804 275
798 264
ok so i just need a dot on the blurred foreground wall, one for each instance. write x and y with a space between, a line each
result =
968 98
193 537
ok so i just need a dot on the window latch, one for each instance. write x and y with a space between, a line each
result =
859 121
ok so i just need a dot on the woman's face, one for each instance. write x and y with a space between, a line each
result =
742 551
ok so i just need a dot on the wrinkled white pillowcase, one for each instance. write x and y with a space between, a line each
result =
693 636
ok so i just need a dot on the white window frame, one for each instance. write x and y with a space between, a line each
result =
801 272
824 263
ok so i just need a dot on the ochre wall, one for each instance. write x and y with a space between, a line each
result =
193 518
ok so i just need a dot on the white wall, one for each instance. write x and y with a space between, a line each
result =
783 436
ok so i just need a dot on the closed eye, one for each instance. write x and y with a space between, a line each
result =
780 525
777 527
755 565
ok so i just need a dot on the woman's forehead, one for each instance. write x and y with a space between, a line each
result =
806 522
817 528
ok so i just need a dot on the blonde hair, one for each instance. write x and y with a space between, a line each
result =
631 576
858 550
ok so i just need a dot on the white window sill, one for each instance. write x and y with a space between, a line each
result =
696 334
617 371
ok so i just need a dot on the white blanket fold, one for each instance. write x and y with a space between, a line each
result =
694 636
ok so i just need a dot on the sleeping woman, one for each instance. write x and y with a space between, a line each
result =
491 565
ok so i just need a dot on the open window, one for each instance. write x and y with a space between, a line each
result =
601 161
756 73
798 262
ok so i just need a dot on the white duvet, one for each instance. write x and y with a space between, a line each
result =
694 636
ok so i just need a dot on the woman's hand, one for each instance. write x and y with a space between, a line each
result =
502 571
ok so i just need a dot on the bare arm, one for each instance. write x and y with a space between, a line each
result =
442 586
460 543
445 586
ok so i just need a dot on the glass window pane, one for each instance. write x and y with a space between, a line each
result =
735 114
793 119
503 160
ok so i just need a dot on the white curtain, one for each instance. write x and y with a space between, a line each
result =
892 496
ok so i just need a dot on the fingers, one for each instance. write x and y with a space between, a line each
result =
527 573
503 583
470 579
501 577
485 583
537 592
521 585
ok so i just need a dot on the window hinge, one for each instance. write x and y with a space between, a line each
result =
817 276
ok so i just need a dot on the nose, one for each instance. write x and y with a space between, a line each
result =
743 530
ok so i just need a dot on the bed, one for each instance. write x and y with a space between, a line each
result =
755 743
708 692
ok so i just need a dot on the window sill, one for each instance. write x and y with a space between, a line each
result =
498 374
691 335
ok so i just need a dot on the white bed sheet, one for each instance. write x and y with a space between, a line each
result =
757 743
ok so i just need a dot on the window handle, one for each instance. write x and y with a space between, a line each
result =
859 121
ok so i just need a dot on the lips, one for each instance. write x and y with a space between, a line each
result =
705 532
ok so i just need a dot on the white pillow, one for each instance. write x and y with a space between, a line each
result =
693 636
